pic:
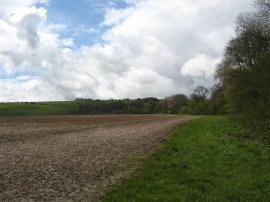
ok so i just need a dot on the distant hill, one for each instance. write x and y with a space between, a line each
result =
36 108
126 106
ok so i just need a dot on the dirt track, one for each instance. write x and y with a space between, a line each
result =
73 158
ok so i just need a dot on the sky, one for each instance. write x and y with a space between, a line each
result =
111 49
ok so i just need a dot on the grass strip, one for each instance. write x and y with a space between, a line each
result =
200 162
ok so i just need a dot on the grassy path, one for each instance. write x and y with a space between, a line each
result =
200 162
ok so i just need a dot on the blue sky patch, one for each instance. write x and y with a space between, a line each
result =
82 18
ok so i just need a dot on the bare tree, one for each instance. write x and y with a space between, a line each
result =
263 6
252 39
200 93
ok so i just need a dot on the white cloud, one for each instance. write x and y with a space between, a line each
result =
141 82
8 7
152 48
200 66
90 31
67 42
28 22
26 89
115 16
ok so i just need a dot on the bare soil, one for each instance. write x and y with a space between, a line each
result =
74 158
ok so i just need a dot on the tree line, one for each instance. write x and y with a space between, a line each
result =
199 102
243 75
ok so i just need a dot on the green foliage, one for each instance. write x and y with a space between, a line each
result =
102 107
185 110
250 92
200 162
84 106
199 104
260 75
149 107
36 108
258 130
218 103
244 73
249 98
201 108
175 103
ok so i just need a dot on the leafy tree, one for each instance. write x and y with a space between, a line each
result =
175 102
250 93
242 53
149 107
150 99
185 110
218 102
244 73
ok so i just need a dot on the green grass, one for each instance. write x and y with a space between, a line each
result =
54 107
36 108
200 162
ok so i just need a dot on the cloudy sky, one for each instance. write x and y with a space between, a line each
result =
102 49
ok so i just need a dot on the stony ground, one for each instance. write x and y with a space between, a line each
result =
74 158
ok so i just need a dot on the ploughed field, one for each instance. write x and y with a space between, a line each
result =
74 158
